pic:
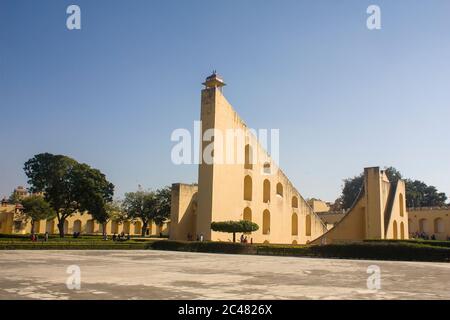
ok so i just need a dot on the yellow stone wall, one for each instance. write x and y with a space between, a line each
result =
431 221
378 213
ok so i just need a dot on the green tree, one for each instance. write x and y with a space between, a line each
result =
68 186
234 227
163 197
36 208
141 205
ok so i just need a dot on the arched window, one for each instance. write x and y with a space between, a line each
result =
279 189
266 168
266 222
423 225
266 191
294 202
294 222
438 225
248 188
394 226
402 207
410 225
308 225
402 230
248 157
77 226
248 214
294 242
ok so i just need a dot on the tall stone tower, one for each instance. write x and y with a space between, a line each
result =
234 190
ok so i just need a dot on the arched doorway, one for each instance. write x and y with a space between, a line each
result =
438 225
114 227
266 222
394 226
37 226
423 225
77 226
402 230
308 225
294 202
402 206
266 191
66 227
279 189
247 214
50 226
137 227
248 188
90 226
126 227
294 224
248 157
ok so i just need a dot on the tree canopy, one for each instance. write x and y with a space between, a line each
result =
148 206
36 208
68 186
418 193
234 227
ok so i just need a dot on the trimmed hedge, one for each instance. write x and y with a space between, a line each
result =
359 250
73 246
205 246
437 243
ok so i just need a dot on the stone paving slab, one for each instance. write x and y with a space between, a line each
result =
150 274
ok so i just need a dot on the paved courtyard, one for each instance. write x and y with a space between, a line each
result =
180 275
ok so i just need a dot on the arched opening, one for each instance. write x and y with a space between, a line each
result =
401 203
137 227
37 226
279 189
126 227
266 242
394 226
308 225
402 230
66 227
294 222
266 191
248 188
294 202
294 242
266 168
423 225
410 225
77 226
438 225
90 226
248 157
266 222
114 227
248 214
50 226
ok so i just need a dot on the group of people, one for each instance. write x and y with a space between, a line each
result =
245 240
423 235
35 237
190 237
121 237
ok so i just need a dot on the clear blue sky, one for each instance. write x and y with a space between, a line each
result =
342 96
